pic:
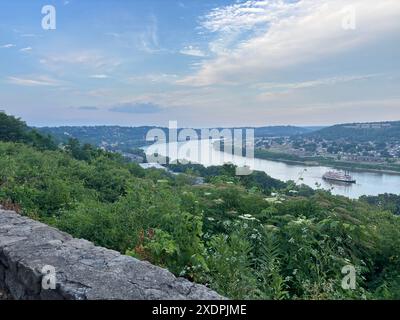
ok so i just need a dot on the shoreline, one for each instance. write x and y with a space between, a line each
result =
352 166
315 163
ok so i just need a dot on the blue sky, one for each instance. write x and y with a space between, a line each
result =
202 63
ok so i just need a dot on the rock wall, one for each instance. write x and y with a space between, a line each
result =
82 270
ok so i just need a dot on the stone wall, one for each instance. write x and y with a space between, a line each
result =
82 270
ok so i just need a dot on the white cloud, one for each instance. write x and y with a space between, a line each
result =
145 38
84 59
7 46
99 76
113 34
27 49
148 39
280 92
34 81
314 83
341 112
245 15
192 51
156 78
255 37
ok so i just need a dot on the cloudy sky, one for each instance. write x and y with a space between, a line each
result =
201 62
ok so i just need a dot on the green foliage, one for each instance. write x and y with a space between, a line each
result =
379 132
229 263
158 246
11 128
227 173
14 130
116 137
389 202
271 283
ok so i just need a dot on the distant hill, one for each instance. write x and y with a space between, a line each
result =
314 128
112 137
279 131
361 132
128 138
125 138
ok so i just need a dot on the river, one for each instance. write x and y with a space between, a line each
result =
368 183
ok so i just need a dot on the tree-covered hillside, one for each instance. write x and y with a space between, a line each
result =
280 131
128 138
14 130
246 237
110 137
361 132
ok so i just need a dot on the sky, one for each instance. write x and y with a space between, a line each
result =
203 63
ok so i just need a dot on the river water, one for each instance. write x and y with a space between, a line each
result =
368 183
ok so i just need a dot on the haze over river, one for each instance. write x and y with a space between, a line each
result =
368 183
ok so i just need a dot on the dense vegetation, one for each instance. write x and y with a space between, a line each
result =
389 202
379 132
215 174
246 237
275 131
111 137
15 130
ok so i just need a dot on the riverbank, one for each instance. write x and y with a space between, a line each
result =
320 161
370 182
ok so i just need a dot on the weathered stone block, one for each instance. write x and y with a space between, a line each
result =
82 270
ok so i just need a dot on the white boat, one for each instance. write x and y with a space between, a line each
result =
338 176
